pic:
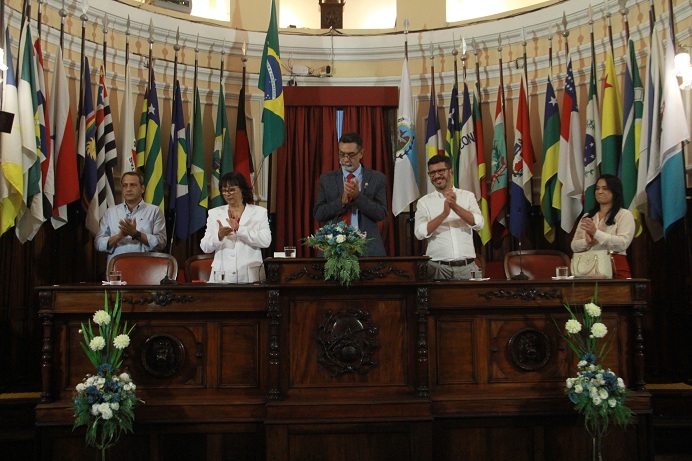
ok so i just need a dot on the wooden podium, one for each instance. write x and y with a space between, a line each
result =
393 367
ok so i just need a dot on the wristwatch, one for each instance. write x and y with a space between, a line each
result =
137 236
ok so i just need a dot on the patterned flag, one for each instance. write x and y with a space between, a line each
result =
11 177
453 133
106 151
633 109
571 166
47 165
648 198
197 183
611 120
64 151
222 160
406 158
468 155
31 214
270 83
86 147
592 142
522 168
674 131
550 186
498 182
176 173
433 135
153 163
482 168
242 158
128 141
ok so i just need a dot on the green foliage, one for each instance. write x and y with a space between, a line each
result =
105 402
341 245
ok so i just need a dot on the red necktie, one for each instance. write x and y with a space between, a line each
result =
346 217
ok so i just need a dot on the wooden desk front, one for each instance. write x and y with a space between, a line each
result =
298 367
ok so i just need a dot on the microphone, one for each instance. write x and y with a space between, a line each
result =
520 275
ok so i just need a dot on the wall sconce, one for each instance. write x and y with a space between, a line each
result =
683 68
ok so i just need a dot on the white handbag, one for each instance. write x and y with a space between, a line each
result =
595 264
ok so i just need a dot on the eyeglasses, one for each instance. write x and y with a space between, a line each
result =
434 173
350 155
230 190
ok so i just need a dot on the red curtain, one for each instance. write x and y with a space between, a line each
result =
310 150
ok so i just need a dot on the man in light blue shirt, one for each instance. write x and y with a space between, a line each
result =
134 225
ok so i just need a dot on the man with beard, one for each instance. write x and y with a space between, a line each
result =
134 225
447 217
354 194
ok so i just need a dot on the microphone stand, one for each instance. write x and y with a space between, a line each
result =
520 275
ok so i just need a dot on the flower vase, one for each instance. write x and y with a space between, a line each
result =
596 448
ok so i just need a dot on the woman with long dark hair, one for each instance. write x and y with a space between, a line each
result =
236 233
607 226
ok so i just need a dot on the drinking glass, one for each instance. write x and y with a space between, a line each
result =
290 252
115 277
561 272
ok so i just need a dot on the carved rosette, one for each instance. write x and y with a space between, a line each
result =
163 355
348 340
529 349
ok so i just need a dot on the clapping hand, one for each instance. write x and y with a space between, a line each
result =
128 227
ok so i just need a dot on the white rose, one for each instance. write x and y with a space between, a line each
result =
340 238
592 309
612 402
578 389
570 382
80 387
124 377
115 406
107 413
596 400
102 318
95 409
603 394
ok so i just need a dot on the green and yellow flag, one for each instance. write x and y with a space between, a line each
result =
270 82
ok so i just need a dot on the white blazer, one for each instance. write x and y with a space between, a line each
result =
239 254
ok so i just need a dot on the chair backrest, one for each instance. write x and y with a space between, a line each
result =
536 264
198 267
144 268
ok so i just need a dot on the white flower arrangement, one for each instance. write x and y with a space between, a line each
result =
105 402
597 393
341 245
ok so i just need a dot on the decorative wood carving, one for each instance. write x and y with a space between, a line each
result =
348 340
529 349
422 313
274 315
163 355
525 293
331 14
46 350
160 298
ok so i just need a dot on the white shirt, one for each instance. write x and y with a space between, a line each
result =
616 238
453 238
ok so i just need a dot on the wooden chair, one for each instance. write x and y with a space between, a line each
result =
144 268
198 267
535 264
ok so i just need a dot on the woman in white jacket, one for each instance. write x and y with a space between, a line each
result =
236 233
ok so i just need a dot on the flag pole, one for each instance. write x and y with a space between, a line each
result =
610 28
433 96
174 136
151 51
502 82
26 14
565 33
411 220
38 17
671 19
478 67
84 19
550 49
105 33
526 67
190 242
63 15
593 46
623 12
652 17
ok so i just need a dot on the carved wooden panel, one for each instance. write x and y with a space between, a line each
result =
390 356
455 353
239 354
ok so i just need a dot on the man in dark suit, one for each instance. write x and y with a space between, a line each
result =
354 194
